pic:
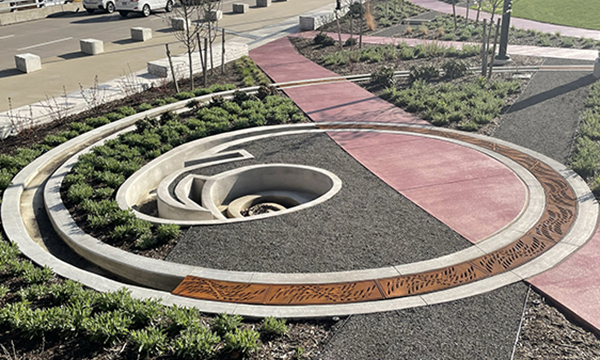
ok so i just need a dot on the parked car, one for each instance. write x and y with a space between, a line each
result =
93 5
145 7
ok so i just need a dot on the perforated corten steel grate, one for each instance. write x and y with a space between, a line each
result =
557 219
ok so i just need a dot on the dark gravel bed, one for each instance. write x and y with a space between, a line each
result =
367 224
480 327
546 116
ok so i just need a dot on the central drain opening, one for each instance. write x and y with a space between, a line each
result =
251 205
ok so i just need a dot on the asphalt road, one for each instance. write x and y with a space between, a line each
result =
56 41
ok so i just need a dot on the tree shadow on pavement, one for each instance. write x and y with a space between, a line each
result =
547 95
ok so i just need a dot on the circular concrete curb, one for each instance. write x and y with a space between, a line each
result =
580 233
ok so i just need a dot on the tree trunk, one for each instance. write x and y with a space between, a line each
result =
454 13
478 11
212 62
172 68
468 6
339 29
191 69
205 71
494 51
202 60
361 24
223 53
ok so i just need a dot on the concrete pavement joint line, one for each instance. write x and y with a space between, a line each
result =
46 43
253 276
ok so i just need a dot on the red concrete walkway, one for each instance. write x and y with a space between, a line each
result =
516 22
470 192
575 284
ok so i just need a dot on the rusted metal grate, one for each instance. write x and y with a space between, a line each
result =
558 217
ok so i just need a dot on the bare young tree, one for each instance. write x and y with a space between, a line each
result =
493 6
191 13
212 11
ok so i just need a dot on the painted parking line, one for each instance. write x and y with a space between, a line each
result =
6 37
46 43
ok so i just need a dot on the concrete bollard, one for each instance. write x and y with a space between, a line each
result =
240 8
91 46
141 34
263 3
214 15
179 24
28 62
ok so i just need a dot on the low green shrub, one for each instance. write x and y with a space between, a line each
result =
5 179
80 127
567 42
273 326
323 39
184 95
196 343
114 116
167 232
180 318
144 107
148 342
54 140
97 121
455 68
468 125
243 342
384 76
351 41
162 102
587 159
126 110
224 323
4 290
107 327
80 192
423 72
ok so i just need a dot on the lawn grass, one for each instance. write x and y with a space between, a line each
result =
575 13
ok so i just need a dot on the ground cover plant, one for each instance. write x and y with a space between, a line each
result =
38 307
467 105
380 13
585 159
442 27
89 189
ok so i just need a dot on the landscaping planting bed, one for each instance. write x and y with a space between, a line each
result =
459 99
442 27
44 317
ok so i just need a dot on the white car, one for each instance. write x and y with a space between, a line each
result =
93 5
145 7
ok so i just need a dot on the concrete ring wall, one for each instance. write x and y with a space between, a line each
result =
16 231
150 265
